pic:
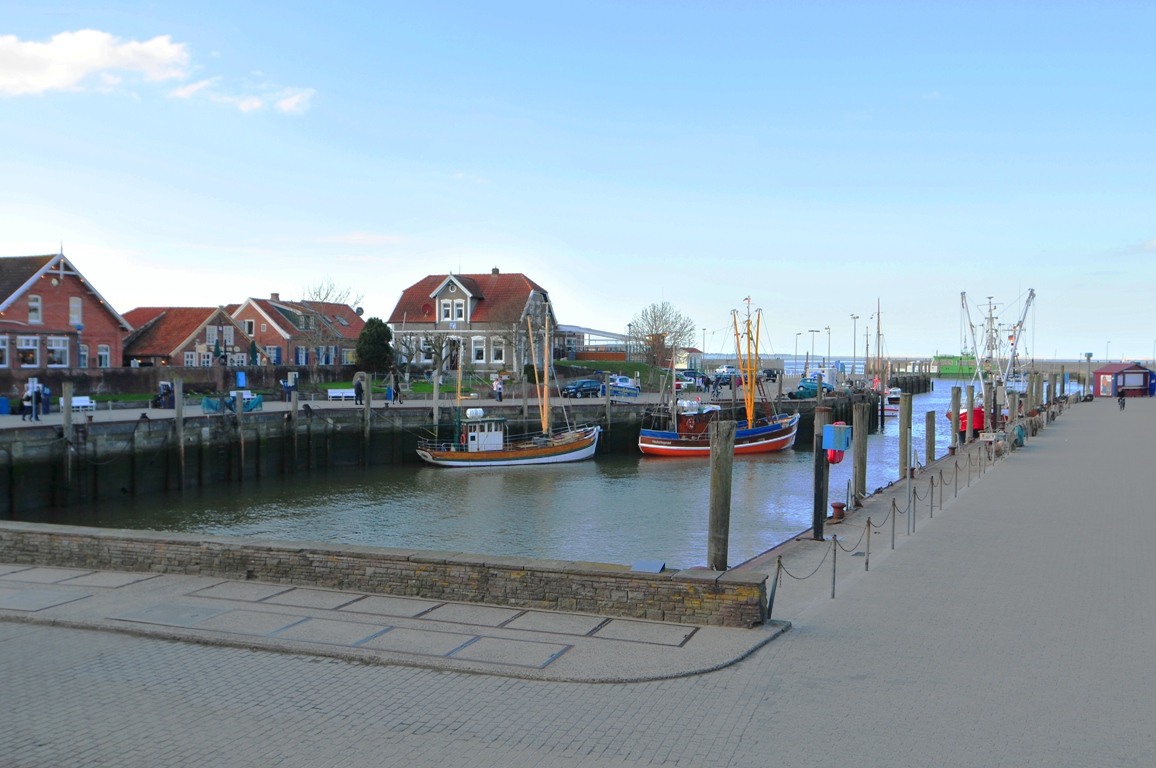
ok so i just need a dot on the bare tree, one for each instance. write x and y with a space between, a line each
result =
661 330
317 331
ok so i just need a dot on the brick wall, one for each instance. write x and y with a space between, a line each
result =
691 597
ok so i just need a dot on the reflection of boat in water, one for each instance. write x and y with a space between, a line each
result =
483 442
684 428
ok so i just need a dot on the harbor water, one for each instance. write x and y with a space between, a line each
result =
614 509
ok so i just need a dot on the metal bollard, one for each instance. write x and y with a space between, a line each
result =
834 557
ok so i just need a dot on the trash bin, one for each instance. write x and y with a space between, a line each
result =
389 394
4 407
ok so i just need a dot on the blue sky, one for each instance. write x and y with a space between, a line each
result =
813 156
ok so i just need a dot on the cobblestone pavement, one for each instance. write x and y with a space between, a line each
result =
1015 629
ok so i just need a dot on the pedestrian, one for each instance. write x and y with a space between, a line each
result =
1122 401
358 392
498 389
26 406
396 387
36 403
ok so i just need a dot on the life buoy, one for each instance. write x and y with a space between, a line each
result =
690 423
463 439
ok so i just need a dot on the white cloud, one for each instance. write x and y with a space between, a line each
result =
186 91
65 61
295 100
474 179
361 238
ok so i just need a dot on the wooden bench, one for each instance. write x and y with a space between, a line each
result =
244 393
79 403
342 394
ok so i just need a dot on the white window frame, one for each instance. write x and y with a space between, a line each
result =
60 345
301 356
459 310
227 332
264 327
427 351
3 351
210 334
35 310
28 342
497 351
479 345
249 326
348 356
447 310
206 359
82 356
75 311
103 356
190 359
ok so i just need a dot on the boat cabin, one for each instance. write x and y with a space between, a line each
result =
479 433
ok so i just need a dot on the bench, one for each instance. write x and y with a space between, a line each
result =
342 394
79 403
244 393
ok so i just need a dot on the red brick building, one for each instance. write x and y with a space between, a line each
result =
192 337
301 332
52 318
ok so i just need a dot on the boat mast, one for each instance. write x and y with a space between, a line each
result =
547 349
537 378
878 337
746 362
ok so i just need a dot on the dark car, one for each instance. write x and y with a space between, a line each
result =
582 388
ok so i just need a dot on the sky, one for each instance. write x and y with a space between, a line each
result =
817 158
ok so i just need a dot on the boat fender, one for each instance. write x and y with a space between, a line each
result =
833 456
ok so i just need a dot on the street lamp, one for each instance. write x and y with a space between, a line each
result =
1106 358
811 331
826 361
854 347
702 361
795 362
628 337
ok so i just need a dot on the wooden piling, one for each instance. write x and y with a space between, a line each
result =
722 457
822 474
293 427
859 428
66 415
970 414
179 425
905 418
366 415
929 432
956 393
239 406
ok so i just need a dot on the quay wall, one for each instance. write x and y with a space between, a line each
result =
692 596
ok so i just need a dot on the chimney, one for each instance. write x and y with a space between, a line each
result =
494 271
274 297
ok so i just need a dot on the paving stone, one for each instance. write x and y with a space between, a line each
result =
241 590
519 653
45 575
463 613
110 579
249 622
422 641
331 632
645 632
391 606
171 614
35 599
6 568
312 598
562 623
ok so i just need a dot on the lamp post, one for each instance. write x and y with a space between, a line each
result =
854 343
826 361
702 361
1106 358
813 331
795 362
628 338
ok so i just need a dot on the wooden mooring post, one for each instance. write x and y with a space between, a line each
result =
822 473
905 419
66 416
366 415
956 393
970 414
179 426
722 458
859 427
929 434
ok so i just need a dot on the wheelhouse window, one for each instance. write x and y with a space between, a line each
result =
75 311
103 356
57 352
28 351
35 313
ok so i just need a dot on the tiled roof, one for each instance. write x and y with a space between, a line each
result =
342 318
15 271
1119 367
160 330
504 297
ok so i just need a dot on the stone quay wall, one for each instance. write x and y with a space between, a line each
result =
690 596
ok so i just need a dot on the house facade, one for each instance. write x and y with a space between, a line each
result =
301 332
190 337
478 321
52 318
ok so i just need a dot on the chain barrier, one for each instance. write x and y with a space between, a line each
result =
854 546
826 552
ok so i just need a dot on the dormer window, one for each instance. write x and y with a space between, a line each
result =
447 308
459 310
34 310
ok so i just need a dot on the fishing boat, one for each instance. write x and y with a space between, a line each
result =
483 441
684 428
891 400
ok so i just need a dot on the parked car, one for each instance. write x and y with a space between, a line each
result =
809 387
769 374
690 373
622 386
582 388
729 370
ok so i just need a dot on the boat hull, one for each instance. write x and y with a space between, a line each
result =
576 446
778 436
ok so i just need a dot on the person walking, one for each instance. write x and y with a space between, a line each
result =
26 406
358 393
36 403
1122 401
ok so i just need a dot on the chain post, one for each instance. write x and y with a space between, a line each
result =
774 586
894 512
834 557
955 480
931 506
867 558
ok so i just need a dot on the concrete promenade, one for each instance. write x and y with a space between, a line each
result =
1015 628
